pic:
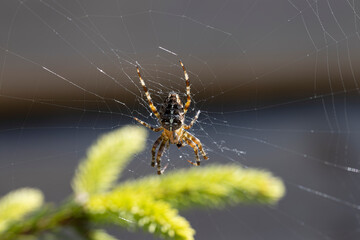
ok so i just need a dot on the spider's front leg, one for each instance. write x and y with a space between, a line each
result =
156 144
196 141
158 158
196 151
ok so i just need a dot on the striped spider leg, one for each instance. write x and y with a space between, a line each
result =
171 117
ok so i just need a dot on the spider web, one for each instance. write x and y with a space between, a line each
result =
277 84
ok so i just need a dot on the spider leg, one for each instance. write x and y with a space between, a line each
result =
198 143
147 94
193 145
159 154
188 100
148 126
193 121
156 144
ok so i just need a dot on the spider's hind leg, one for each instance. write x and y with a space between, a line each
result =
147 94
188 98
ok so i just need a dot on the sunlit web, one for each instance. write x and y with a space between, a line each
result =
277 83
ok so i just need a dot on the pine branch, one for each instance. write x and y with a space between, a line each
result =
106 159
134 210
212 186
49 218
15 205
149 203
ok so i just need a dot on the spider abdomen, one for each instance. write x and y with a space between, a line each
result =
172 113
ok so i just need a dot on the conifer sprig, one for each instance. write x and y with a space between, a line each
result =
106 159
212 186
17 204
149 203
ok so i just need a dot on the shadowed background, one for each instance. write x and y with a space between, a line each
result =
276 81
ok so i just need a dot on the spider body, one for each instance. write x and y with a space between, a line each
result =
172 120
172 113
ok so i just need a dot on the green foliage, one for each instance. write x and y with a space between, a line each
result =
212 186
134 209
106 159
15 205
149 203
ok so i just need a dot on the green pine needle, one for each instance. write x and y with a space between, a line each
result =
106 159
212 186
134 210
15 205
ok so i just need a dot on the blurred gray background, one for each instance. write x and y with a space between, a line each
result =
276 81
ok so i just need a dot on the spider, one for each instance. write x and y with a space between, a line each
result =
171 117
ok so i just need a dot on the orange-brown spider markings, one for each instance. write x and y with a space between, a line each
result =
172 117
